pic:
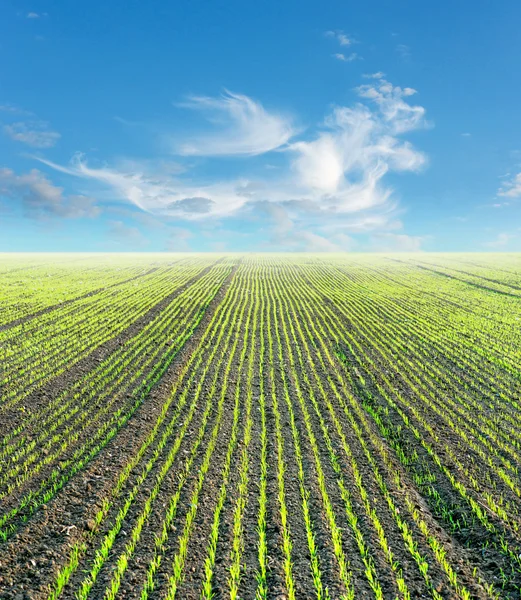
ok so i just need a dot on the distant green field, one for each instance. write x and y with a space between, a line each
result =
260 426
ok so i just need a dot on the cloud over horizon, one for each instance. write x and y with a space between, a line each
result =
326 173
339 168
41 199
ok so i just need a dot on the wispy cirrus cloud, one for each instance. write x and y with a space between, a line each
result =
41 199
33 133
396 111
128 235
360 145
166 195
330 180
511 188
246 127
178 240
289 233
344 41
340 37
346 58
396 242
500 241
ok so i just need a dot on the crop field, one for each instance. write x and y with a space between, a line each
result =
260 426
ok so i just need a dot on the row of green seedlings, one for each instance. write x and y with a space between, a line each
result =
179 561
14 340
411 286
305 361
13 313
505 430
436 322
397 358
287 543
31 501
490 277
162 541
48 411
53 317
261 575
477 279
161 438
355 473
21 297
286 537
236 568
50 422
420 383
470 282
321 590
297 371
449 510
406 462
436 374
207 587
466 417
496 342
49 417
45 354
506 270
177 567
49 350
109 382
340 388
443 404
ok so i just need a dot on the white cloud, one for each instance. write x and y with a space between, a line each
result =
339 170
35 134
377 75
400 115
161 195
313 242
319 163
249 129
345 163
396 242
466 135
41 199
126 235
179 240
286 234
340 37
364 222
511 188
33 15
349 58
500 241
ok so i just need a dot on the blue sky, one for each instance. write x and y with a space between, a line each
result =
233 126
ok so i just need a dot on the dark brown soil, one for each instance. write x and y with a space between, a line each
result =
58 524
